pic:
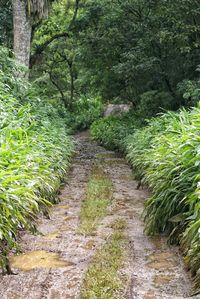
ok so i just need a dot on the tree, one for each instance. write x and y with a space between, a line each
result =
128 48
6 26
25 12
54 51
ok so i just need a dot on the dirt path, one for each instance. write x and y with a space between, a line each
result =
55 262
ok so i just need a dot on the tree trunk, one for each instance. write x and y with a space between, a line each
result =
72 87
22 32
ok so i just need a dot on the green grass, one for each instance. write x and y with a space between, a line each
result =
97 198
103 280
119 224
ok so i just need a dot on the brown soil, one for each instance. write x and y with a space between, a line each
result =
54 262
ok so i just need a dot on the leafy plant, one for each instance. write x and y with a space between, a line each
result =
35 154
85 111
190 91
165 156
111 131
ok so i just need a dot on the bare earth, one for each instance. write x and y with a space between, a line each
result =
54 262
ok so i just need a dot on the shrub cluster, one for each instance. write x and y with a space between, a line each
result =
35 154
166 156
112 130
86 110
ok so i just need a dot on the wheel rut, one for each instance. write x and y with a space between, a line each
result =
54 263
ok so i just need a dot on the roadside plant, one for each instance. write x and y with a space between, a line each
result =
165 156
35 154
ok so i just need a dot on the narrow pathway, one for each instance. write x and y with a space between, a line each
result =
55 261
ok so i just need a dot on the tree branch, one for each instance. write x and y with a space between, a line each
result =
34 28
74 15
53 81
41 48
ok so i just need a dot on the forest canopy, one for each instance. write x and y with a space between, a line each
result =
142 52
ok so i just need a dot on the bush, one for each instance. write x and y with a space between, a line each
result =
189 90
35 154
153 102
112 130
85 112
165 155
137 144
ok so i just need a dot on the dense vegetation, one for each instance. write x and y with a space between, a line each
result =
144 52
35 152
111 131
165 156
85 111
84 54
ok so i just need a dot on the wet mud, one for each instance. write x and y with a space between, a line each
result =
53 263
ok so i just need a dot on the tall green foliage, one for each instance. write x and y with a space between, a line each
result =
169 162
86 110
54 52
165 156
111 131
140 51
35 153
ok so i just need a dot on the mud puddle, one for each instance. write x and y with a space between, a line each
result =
38 259
53 264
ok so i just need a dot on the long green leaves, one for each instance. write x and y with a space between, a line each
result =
111 131
35 154
165 156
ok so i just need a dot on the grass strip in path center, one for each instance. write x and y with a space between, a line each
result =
103 279
98 197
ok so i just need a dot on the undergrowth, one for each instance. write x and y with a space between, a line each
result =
111 130
35 154
85 111
165 155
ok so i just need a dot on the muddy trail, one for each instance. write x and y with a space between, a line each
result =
54 262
